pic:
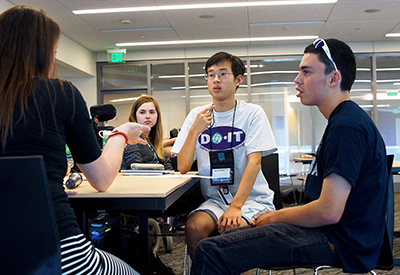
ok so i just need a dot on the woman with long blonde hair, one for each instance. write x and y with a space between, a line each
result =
146 111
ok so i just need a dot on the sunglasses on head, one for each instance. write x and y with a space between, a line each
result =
320 44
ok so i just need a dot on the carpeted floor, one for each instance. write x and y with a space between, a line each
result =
175 259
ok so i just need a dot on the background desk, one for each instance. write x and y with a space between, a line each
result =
304 160
143 194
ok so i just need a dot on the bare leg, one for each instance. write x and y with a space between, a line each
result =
199 226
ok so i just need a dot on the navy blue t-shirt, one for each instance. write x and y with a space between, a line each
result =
353 148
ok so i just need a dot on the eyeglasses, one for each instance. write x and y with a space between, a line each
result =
221 75
320 44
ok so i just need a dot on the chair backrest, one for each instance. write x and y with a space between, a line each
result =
174 162
270 169
28 236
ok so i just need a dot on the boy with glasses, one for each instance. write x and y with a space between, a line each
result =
342 222
228 139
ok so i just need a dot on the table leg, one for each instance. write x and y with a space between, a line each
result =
144 249
294 191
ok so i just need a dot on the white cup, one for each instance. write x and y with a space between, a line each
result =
104 135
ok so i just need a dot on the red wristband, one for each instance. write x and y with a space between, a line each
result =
116 132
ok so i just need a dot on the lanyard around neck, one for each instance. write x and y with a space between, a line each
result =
233 124
154 152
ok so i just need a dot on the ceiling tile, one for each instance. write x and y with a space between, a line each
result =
293 13
222 17
361 31
217 32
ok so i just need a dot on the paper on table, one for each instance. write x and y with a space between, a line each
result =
144 174
141 172
168 175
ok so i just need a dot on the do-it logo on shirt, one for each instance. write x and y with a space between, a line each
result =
221 138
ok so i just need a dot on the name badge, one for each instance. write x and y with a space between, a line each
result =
221 175
222 167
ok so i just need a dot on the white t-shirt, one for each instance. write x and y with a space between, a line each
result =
251 133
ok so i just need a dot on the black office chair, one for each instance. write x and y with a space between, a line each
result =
29 238
385 261
270 169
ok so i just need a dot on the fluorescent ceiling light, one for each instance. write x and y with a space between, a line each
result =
287 23
270 93
358 90
191 87
387 80
282 60
135 29
387 69
272 83
392 35
382 96
124 99
379 69
378 81
227 40
364 69
204 6
379 106
180 76
275 72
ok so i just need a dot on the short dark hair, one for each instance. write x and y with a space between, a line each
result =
238 67
343 57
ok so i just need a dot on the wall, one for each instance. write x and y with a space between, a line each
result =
73 59
71 54
87 87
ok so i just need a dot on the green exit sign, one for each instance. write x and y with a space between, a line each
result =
392 93
116 55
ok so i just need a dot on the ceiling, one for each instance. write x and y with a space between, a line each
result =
346 20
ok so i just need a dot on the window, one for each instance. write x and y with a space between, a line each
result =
123 76
168 88
388 101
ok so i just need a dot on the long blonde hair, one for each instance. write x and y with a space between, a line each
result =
28 37
156 133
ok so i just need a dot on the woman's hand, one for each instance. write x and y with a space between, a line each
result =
134 130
